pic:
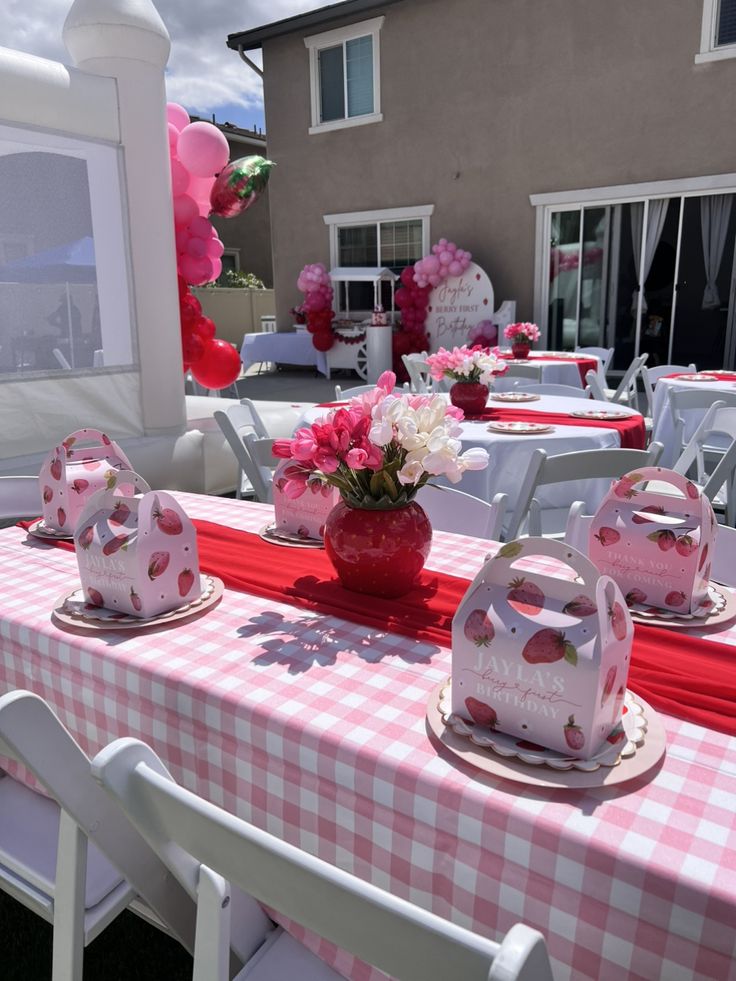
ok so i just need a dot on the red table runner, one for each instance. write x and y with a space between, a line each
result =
688 677
584 364
631 429
717 375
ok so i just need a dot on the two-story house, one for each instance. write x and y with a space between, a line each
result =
584 151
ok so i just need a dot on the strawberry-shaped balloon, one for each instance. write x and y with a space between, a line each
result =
158 564
574 735
549 645
185 581
478 629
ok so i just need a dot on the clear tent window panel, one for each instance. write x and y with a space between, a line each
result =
64 291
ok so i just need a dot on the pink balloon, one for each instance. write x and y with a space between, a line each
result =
173 135
451 247
195 271
185 208
181 237
203 149
455 268
179 178
216 269
214 248
200 227
445 258
431 266
177 116
435 279
196 247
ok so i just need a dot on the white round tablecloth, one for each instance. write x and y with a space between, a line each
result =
553 373
509 454
663 426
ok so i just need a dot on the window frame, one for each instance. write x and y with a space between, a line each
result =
709 50
331 39
335 222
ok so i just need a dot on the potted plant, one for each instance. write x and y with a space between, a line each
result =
472 369
522 336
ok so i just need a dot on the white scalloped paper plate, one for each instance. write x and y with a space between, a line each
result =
72 610
273 535
39 530
520 428
515 397
644 746
723 610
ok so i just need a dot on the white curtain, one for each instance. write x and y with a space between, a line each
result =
655 225
715 212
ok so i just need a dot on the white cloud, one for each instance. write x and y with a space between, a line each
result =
203 74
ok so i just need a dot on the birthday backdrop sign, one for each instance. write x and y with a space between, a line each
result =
456 305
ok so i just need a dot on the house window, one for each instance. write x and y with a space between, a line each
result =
395 238
345 77
718 32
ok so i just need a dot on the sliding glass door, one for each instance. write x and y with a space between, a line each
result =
653 275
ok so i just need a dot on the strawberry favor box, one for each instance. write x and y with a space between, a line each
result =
80 465
538 655
136 549
657 544
305 515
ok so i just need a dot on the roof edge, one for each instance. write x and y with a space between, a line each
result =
254 38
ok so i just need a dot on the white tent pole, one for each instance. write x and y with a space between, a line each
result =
69 324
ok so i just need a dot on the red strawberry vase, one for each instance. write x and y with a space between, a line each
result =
471 397
378 551
520 350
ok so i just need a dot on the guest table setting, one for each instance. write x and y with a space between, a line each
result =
716 382
497 733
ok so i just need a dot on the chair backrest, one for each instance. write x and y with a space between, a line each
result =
406 942
594 388
453 510
31 734
650 377
20 497
341 395
548 388
683 400
61 359
236 422
578 527
578 465
604 354
261 466
627 390
533 371
420 379
700 452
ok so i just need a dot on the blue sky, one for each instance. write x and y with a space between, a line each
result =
203 74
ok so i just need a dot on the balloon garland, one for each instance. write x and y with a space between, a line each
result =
204 183
314 282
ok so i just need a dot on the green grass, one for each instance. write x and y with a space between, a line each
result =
128 950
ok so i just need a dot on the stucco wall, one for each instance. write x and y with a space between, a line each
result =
486 102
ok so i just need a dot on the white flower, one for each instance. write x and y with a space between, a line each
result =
411 472
475 458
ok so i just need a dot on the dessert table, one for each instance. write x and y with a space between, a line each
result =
662 423
284 347
314 728
509 453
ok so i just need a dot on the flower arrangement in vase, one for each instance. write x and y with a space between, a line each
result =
522 336
378 451
472 369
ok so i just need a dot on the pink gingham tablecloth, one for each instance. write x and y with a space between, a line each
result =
314 728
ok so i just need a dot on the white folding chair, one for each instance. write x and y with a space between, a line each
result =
63 363
650 377
530 371
579 465
627 391
604 355
235 422
345 395
406 942
682 402
259 464
420 380
711 466
73 858
723 568
20 497
549 388
452 510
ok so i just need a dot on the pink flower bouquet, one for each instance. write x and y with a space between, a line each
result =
521 333
381 448
466 364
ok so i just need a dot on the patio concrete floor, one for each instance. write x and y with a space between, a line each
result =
293 385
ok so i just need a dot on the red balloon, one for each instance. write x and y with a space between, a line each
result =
190 310
182 284
205 328
219 366
402 297
323 340
192 347
407 276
